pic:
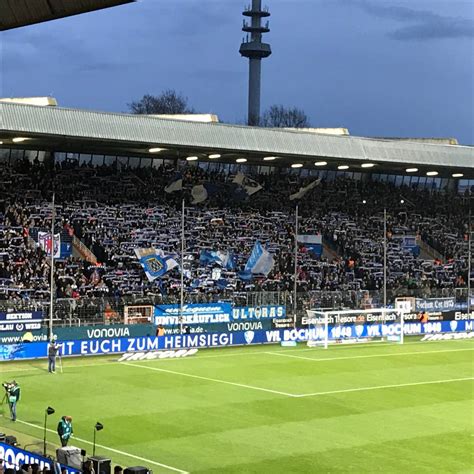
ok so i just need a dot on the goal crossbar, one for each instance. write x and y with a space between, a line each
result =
353 324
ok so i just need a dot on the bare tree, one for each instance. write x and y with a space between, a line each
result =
169 102
278 116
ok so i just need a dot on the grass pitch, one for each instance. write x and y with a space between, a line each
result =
264 409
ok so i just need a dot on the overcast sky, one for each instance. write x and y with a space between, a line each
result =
377 67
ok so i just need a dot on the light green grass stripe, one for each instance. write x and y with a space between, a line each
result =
251 387
293 395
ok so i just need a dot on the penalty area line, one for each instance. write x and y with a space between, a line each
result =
381 387
226 382
113 450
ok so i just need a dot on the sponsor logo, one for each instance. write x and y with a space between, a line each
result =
107 333
453 325
245 326
359 329
448 336
463 316
283 323
249 335
152 355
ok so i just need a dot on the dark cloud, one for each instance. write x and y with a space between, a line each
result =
425 25
33 48
329 59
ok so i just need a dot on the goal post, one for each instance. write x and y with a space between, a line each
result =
355 326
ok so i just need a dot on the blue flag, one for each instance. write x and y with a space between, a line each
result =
260 262
224 259
155 262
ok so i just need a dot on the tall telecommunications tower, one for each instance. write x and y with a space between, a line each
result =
253 48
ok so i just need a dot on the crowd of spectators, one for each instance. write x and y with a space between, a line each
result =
113 211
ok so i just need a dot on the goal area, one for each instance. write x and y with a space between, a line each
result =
354 326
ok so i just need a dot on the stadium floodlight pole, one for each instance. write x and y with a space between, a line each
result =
181 305
385 257
295 288
51 289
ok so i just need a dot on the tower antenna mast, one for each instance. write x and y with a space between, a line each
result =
255 50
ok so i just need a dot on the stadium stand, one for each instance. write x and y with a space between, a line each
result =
112 211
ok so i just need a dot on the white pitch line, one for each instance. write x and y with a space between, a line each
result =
252 387
247 354
123 453
369 356
366 345
381 387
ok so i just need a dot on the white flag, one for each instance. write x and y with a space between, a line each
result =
249 185
303 190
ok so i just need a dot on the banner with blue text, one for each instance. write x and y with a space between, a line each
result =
20 321
15 457
212 313
450 329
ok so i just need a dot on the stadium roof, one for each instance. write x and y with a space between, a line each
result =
16 13
81 131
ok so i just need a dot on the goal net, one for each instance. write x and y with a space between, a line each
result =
139 314
353 326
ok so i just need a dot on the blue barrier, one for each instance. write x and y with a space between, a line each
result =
37 350
15 457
